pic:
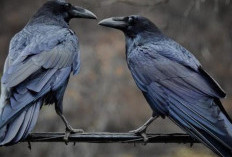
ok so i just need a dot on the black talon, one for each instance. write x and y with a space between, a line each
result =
142 130
66 136
145 138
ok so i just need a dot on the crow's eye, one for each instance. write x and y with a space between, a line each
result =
67 5
131 20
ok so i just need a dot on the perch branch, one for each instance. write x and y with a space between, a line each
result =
110 138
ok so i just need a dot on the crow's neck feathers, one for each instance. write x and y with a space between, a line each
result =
142 38
47 19
48 16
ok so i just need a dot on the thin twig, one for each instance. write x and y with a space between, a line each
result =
110 138
136 3
189 9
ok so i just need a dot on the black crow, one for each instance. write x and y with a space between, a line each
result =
174 83
41 58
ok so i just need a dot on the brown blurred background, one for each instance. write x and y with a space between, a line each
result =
103 97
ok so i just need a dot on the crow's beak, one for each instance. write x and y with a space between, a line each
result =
114 22
78 12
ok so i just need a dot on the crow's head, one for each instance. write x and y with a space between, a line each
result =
130 25
62 9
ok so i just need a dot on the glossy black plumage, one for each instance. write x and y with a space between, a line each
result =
174 83
40 60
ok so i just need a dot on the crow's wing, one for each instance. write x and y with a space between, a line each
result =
59 57
63 54
33 74
174 51
189 66
188 96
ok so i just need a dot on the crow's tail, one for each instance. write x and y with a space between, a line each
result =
19 127
206 122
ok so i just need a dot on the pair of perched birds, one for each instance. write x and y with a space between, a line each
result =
45 52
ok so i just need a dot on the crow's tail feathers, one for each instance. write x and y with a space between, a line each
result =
18 128
206 122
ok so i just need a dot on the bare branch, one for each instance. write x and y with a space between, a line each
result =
189 9
136 3
110 138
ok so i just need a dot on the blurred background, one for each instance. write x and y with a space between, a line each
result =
103 97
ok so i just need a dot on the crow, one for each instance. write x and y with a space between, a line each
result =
37 69
174 83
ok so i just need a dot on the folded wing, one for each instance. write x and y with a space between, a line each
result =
188 96
37 74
